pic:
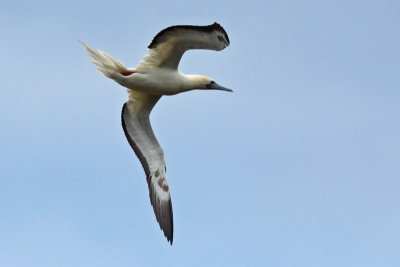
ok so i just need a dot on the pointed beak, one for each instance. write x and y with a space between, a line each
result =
216 86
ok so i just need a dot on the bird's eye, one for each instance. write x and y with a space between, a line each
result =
210 85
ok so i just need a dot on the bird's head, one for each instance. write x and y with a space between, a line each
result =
206 83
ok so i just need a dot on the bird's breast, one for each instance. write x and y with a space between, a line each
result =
155 81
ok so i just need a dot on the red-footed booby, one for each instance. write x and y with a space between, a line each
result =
156 75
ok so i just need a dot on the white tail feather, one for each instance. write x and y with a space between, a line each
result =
106 63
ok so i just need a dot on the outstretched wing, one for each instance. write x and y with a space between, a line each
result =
168 46
138 131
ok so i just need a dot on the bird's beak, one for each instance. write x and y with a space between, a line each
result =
216 86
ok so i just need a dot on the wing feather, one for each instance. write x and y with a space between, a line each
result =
138 131
168 46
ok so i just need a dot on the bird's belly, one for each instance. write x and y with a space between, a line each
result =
154 83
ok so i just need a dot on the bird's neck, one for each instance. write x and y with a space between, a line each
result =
195 82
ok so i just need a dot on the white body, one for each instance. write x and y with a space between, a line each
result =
159 81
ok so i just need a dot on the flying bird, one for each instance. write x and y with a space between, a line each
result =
157 75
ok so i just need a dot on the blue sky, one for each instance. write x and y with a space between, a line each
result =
300 166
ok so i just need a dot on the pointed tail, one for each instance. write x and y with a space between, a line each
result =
106 63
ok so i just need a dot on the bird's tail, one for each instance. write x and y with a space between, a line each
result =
106 63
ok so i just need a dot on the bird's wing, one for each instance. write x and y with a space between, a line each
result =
138 131
168 46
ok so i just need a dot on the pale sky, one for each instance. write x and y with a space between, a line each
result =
300 166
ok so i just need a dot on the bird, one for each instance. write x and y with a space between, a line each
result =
156 75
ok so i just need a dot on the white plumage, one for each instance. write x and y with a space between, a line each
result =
157 75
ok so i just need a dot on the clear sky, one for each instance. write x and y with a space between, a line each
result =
300 166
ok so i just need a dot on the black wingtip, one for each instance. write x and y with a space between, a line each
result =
167 226
170 239
169 234
164 215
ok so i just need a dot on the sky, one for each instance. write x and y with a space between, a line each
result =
300 166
